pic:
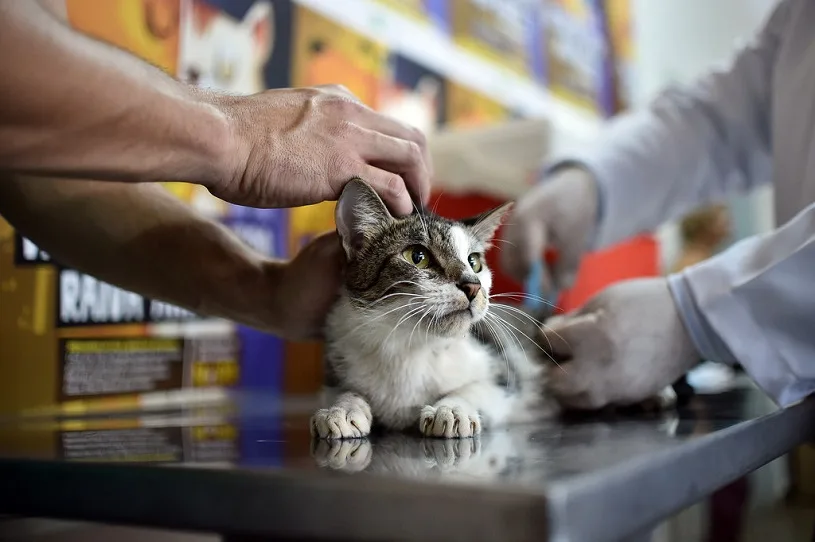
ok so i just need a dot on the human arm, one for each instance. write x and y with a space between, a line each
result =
143 239
690 146
751 304
71 106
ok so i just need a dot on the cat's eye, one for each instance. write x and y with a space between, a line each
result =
474 260
418 256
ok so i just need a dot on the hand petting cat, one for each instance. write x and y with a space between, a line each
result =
307 286
292 147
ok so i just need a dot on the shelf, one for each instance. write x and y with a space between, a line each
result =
430 47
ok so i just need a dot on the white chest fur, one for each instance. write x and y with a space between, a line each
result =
400 372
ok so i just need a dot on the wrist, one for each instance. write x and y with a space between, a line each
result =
706 342
218 139
580 193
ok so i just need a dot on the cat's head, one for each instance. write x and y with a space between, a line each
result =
422 269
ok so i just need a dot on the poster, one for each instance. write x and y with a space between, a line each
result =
577 57
413 94
227 46
69 337
619 21
468 108
435 13
506 32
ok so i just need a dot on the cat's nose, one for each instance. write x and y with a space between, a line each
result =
470 289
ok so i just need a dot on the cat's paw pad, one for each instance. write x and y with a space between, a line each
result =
339 422
449 422
343 455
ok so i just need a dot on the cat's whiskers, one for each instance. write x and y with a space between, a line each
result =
421 219
419 321
374 319
501 345
397 283
539 347
533 320
436 204
503 324
402 320
522 295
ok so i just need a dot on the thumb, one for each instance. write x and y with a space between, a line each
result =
566 336
564 271
525 241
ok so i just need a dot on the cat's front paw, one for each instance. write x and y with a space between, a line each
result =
341 422
449 422
343 455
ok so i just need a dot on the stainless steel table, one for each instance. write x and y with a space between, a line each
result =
247 468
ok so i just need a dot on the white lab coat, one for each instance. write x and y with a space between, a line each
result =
750 123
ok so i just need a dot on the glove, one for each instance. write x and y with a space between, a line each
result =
560 214
624 346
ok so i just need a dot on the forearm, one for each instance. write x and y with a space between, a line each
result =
752 305
143 239
107 115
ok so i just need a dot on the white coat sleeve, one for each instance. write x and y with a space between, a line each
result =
755 304
690 146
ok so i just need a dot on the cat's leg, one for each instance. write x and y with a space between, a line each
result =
460 413
349 417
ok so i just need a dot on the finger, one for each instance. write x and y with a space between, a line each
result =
390 187
398 156
418 186
339 90
564 271
570 336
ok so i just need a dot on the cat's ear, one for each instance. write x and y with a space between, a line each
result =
360 212
259 23
483 226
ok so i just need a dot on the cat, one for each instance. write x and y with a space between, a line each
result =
415 340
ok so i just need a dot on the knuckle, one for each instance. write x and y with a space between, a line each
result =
344 129
342 105
414 152
311 94
395 185
419 137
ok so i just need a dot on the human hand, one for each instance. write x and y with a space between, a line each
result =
292 147
306 287
624 346
559 213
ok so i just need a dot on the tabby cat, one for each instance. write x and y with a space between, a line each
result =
415 340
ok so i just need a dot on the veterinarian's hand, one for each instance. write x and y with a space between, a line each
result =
307 287
625 345
559 213
292 147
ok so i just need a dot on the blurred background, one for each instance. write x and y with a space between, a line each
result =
498 86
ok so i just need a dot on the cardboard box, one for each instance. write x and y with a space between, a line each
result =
233 46
432 12
577 55
619 22
506 32
72 340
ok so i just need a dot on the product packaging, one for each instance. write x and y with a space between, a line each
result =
577 59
